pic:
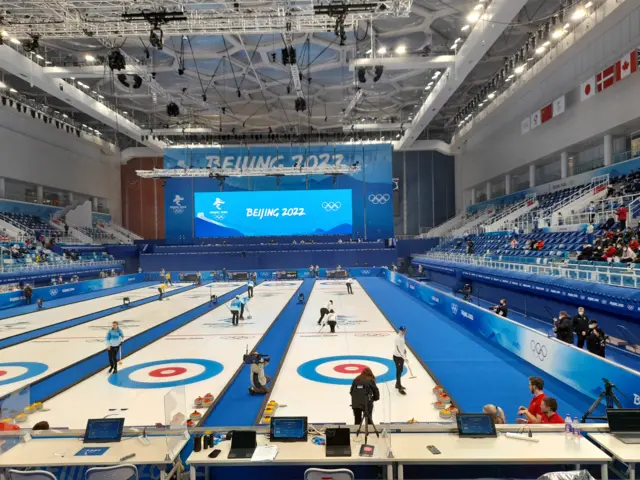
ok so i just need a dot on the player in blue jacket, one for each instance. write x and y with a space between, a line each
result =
114 339
236 305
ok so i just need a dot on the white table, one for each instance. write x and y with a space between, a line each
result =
629 454
61 452
553 448
298 453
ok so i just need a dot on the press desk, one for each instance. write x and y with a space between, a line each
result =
629 454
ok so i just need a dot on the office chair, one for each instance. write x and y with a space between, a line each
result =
323 474
31 475
117 472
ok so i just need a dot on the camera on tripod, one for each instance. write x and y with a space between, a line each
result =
255 358
362 397
466 291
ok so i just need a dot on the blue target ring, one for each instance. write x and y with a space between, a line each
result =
309 371
33 369
123 377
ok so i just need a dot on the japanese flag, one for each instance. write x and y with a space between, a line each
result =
588 89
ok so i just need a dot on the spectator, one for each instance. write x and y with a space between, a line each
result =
514 243
581 327
501 309
597 340
560 219
539 245
590 237
592 211
628 255
586 253
28 292
470 247
622 216
536 387
497 414
563 327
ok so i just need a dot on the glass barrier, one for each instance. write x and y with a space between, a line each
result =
175 419
15 410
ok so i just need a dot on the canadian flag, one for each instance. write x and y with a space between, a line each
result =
606 78
588 89
627 65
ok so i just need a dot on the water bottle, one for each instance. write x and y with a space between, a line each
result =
576 427
567 426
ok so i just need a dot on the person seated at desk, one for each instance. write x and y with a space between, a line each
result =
536 387
548 412
497 414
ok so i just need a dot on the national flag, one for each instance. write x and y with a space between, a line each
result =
546 113
558 106
606 78
588 89
525 125
627 65
535 120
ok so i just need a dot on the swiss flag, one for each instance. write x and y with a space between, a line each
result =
588 89
606 78
627 65
546 113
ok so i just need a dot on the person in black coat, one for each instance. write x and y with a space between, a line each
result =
581 327
364 387
597 340
501 309
563 327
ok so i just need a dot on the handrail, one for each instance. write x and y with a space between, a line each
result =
564 270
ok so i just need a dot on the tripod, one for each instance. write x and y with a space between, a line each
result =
611 401
368 420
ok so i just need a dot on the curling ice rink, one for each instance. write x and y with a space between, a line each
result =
206 352
203 355
319 367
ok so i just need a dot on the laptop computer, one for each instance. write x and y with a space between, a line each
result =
338 442
103 430
243 444
624 424
475 425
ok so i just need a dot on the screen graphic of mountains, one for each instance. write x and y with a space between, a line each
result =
205 228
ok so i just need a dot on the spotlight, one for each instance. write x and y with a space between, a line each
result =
116 60
155 38
204 97
377 72
33 44
361 75
137 81
173 110
123 80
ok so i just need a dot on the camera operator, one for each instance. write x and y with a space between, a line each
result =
466 292
501 309
364 392
596 339
259 380
581 326
563 327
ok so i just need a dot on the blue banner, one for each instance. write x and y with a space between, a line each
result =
249 214
11 299
371 188
577 368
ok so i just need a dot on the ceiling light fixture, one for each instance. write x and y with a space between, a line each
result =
39 57
382 50
454 46
13 90
558 33
579 14
457 40
3 85
15 41
90 58
546 44
491 96
588 5
465 28
519 69
473 17
567 26
401 50
478 7
47 62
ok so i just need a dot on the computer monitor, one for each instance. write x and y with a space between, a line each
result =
624 420
103 430
475 425
338 437
243 439
288 429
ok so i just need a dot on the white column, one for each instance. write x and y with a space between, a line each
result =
488 190
608 150
94 204
473 196
532 176
564 163
507 184
70 197
2 188
39 193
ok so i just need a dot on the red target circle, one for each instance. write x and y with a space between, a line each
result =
167 372
3 372
350 368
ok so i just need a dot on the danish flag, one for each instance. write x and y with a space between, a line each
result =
627 65
606 78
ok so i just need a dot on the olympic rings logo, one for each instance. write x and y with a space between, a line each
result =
331 206
454 308
379 199
539 350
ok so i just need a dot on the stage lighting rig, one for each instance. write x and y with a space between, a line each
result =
123 80
33 44
116 60
377 72
137 81
361 75
155 38
173 110
300 104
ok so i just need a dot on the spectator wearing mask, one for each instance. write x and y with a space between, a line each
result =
563 327
581 327
501 309
597 340
628 255
622 216
586 253
497 414
536 387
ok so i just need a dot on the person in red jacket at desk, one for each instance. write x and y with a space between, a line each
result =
536 387
549 412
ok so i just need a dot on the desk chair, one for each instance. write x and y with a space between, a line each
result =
117 472
321 474
31 475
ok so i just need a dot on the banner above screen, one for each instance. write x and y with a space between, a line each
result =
306 212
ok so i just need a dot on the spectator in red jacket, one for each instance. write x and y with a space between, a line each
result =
610 252
622 216
540 245
634 245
